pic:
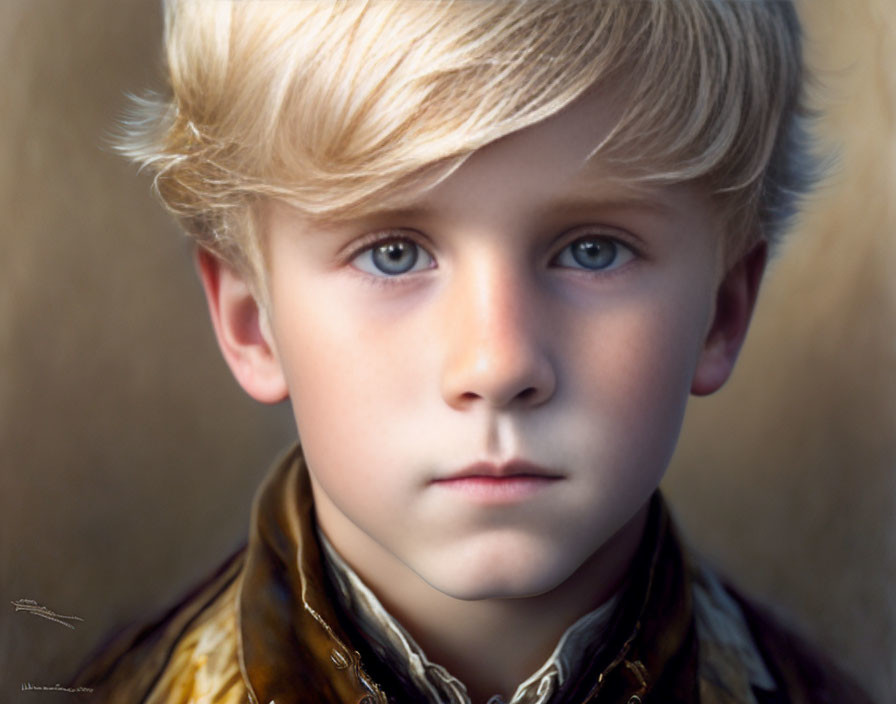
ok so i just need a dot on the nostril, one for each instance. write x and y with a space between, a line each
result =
498 380
527 394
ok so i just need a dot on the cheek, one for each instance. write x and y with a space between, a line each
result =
636 365
354 386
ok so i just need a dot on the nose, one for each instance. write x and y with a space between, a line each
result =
494 333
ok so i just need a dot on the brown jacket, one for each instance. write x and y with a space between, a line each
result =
265 629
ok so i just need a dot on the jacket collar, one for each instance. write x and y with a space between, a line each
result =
294 647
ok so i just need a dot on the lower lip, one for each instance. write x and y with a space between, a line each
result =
497 489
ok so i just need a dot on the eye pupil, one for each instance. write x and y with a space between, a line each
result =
395 257
594 253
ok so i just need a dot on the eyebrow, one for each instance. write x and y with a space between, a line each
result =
593 195
595 187
409 212
575 203
615 203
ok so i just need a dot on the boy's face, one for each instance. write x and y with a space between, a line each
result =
529 315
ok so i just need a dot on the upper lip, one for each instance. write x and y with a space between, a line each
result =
513 468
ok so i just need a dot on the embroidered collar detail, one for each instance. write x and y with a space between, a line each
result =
397 648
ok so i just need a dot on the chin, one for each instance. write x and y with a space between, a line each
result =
513 572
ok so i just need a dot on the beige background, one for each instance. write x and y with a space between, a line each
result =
129 456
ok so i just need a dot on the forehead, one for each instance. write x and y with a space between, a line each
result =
555 167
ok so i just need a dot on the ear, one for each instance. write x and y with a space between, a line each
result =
735 300
242 330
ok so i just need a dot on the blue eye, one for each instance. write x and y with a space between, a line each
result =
595 253
393 257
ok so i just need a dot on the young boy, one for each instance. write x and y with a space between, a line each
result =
486 250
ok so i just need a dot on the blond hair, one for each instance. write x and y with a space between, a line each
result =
332 105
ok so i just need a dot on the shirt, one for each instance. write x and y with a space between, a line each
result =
397 649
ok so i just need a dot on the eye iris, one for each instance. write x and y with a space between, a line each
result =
395 257
594 253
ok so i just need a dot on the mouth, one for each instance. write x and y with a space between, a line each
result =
507 470
486 482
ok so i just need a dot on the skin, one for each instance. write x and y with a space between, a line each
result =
498 344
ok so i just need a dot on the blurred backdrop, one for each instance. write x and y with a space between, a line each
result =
130 457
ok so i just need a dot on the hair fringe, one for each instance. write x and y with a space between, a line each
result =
332 107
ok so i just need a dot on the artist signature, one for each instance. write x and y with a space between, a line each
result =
28 687
32 607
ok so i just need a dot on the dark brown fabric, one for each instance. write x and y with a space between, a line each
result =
292 653
807 674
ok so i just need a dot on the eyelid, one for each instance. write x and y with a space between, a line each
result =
367 243
611 233
618 237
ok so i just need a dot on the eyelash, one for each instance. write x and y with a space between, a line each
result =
620 249
368 245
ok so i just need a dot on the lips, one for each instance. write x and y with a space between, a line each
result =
486 483
511 469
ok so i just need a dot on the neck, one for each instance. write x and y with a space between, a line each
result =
470 637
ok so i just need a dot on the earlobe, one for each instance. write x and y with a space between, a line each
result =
735 301
241 329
